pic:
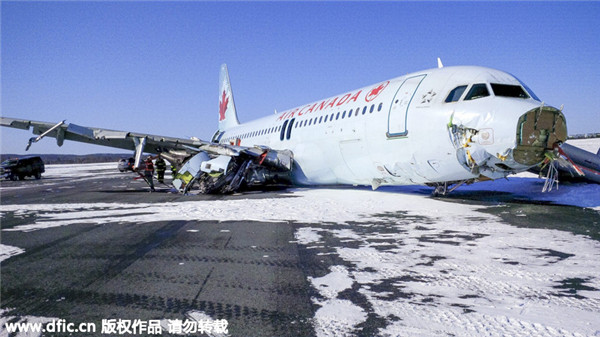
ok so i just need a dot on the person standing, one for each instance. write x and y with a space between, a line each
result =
173 170
161 167
149 173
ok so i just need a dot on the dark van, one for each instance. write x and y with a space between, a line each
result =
14 169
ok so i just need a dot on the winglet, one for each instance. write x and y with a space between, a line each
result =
227 113
440 65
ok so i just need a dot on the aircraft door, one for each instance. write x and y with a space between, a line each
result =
398 115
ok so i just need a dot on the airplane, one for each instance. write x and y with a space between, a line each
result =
440 127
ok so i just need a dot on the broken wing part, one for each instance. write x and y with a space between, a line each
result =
59 137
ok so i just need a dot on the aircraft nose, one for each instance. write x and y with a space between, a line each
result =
538 130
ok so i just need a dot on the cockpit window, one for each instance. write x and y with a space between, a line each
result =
477 91
508 90
455 94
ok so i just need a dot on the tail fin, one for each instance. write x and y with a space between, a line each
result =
227 114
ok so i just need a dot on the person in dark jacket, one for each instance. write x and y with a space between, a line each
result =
161 167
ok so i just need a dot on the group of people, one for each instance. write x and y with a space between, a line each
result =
161 167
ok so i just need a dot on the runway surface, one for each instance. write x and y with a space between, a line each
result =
87 243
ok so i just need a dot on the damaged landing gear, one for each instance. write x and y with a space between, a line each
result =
445 188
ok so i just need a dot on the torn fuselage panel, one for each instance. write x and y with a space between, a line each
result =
189 172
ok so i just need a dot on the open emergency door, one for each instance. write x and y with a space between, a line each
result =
398 114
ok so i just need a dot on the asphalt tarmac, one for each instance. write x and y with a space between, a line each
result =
249 273
253 274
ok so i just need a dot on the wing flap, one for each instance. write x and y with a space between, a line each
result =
15 123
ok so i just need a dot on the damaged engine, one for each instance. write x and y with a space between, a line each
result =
236 170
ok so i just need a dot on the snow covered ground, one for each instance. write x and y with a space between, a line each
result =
57 173
589 144
426 266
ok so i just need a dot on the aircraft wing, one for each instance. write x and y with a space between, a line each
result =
255 165
112 138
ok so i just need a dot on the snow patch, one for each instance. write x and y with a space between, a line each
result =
338 318
330 285
306 235
7 251
5 318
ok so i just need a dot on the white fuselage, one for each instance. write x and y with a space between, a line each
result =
399 132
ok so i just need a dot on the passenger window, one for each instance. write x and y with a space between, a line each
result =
350 113
477 91
455 94
372 108
364 110
337 116
320 119
380 106
344 114
310 121
356 113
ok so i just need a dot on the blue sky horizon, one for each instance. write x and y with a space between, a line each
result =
153 67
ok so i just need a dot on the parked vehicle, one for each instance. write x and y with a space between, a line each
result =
125 164
14 169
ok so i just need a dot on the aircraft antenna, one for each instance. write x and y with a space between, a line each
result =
440 65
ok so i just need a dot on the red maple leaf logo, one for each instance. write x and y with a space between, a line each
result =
223 106
376 91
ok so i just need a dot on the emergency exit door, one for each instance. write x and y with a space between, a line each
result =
398 115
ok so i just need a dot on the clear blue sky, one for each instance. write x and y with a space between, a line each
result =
153 66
